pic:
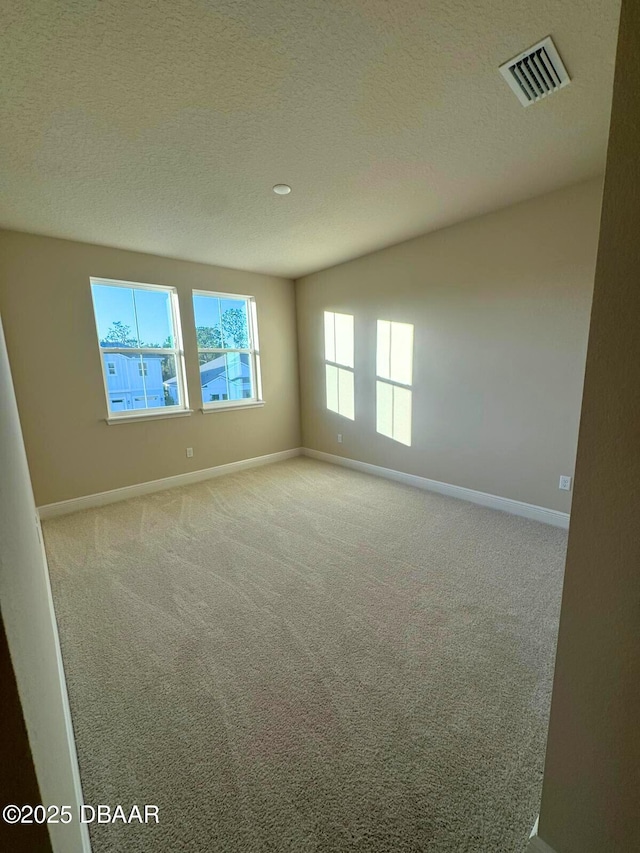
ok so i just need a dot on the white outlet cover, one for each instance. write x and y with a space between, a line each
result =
565 483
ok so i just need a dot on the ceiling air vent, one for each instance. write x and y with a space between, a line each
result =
536 73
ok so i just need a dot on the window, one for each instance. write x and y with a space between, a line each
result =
394 368
339 361
228 352
141 347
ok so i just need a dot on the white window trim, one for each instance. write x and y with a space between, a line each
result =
131 415
228 405
177 352
253 351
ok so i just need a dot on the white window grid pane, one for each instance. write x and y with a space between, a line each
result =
136 293
140 366
252 350
253 373
176 351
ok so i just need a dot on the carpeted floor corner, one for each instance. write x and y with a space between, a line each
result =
303 659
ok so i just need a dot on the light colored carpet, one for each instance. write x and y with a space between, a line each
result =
304 658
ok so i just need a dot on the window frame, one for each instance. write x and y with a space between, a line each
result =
253 351
177 351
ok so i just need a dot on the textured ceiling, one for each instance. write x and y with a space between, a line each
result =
161 125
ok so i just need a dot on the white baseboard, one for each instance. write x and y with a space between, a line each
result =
537 513
126 492
85 840
536 844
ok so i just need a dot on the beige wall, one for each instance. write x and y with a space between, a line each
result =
591 791
46 303
32 635
501 311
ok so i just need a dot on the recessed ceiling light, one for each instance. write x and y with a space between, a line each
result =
282 189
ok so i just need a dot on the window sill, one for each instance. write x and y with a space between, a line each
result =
207 410
148 416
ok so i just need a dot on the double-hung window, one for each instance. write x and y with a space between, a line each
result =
141 351
228 351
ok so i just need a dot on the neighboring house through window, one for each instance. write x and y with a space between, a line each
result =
140 342
228 352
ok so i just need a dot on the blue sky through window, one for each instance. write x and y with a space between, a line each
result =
209 309
146 313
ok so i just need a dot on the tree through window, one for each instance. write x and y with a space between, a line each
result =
228 353
139 338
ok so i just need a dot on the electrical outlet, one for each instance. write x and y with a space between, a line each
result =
565 483
339 438
189 452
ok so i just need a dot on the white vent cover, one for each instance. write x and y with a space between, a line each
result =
536 73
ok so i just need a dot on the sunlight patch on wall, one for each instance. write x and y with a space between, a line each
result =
340 392
394 369
339 361
338 338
